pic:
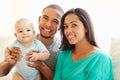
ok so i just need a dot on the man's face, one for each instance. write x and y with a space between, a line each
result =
49 22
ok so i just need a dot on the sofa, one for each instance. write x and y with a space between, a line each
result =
114 53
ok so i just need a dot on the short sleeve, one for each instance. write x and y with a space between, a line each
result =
11 45
101 69
40 45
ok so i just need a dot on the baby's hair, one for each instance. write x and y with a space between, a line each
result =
23 20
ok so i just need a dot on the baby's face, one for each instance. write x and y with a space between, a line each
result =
24 32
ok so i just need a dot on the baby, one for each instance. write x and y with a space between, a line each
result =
24 43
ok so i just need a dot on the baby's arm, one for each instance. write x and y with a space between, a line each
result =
43 55
35 56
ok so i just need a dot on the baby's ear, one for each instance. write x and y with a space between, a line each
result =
15 35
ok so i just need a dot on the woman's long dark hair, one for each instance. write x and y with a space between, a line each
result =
85 19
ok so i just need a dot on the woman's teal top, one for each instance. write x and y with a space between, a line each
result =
97 66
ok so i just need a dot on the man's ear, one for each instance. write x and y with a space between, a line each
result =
39 19
59 28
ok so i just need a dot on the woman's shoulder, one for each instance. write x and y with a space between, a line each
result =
103 55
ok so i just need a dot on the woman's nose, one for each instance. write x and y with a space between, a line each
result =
68 30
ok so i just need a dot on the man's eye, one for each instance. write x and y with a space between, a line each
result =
56 21
45 17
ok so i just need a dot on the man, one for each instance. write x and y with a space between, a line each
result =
49 23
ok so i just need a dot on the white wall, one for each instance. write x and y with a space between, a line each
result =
5 17
105 15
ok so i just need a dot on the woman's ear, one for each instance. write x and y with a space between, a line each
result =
86 30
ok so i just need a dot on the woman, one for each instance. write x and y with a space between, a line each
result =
81 58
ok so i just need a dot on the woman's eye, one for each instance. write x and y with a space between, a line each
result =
74 25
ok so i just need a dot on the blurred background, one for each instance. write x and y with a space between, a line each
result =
105 15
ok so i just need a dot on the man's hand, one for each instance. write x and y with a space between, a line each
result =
36 64
11 60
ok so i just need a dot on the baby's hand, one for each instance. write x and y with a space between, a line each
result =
32 56
16 52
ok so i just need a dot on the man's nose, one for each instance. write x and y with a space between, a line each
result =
48 23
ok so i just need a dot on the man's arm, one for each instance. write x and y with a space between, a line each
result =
7 64
5 68
44 69
6 53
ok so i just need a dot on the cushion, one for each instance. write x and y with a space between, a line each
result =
115 54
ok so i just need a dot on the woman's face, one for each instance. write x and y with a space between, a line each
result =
74 29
